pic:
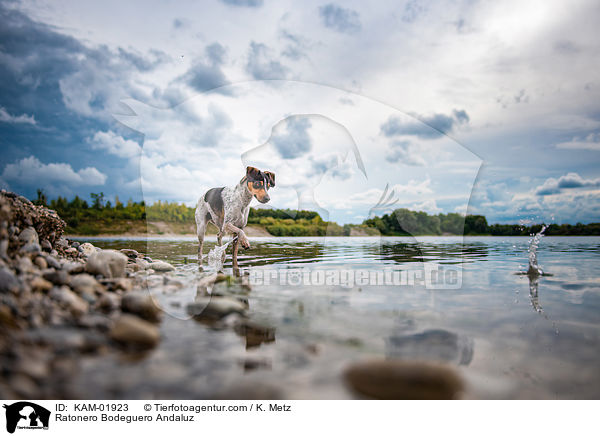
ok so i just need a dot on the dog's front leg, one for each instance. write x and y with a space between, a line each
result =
239 232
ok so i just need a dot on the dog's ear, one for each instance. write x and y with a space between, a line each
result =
270 178
252 173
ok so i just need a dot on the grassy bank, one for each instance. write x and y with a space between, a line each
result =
101 217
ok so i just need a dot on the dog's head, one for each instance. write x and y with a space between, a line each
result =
258 183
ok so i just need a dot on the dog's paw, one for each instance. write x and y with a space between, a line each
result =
245 243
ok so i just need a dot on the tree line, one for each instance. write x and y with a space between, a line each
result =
80 213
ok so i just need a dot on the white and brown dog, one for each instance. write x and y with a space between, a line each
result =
228 208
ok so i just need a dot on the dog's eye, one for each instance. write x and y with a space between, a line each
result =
257 184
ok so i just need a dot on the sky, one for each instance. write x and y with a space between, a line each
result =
477 107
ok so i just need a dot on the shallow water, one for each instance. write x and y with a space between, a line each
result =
508 335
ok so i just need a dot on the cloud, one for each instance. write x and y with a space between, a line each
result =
291 138
261 64
30 171
244 3
568 181
115 144
47 71
413 9
431 127
16 119
296 45
590 142
404 152
207 74
340 19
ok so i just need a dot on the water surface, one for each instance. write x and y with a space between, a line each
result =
510 337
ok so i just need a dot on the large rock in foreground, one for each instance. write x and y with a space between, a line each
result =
404 380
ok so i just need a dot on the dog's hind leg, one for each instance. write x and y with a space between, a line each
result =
201 222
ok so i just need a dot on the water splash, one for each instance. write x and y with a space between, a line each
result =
534 269
216 256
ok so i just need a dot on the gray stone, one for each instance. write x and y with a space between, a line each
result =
32 247
215 307
73 267
52 262
160 266
25 265
8 281
71 301
142 264
85 284
58 277
46 245
87 249
28 236
141 304
4 248
107 263
108 302
133 331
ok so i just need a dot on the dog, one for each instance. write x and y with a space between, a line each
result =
228 207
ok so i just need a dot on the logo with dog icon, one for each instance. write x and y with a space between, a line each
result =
26 415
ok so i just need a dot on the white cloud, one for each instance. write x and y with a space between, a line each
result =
16 119
30 171
115 144
568 181
590 142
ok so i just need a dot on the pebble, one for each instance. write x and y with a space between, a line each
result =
41 285
28 236
32 247
133 331
73 267
25 265
62 242
215 307
107 263
87 249
122 284
142 264
52 262
404 380
75 304
8 281
40 262
108 302
85 282
160 266
46 245
65 339
4 248
58 277
132 254
142 304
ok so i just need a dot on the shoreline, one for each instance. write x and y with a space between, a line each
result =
213 236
